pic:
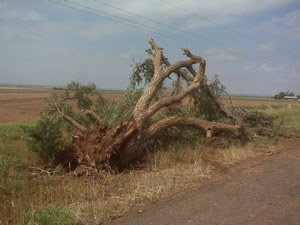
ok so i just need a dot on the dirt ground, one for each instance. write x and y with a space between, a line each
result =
24 104
264 190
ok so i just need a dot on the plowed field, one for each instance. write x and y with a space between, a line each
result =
24 104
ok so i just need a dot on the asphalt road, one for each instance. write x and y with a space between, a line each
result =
262 191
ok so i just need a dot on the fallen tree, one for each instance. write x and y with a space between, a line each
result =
98 143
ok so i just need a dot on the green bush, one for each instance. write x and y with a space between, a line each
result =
259 119
51 215
261 122
45 137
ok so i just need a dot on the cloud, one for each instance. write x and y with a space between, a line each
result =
290 19
32 16
98 31
11 13
286 26
3 5
130 54
224 54
266 68
248 67
190 14
268 47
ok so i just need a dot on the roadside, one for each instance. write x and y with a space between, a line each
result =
264 190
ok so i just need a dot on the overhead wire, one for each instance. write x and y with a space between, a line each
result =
133 24
110 17
137 25
223 26
207 40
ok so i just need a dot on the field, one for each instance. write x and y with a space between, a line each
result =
24 104
29 192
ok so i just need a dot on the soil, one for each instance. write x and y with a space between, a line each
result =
25 104
19 104
264 190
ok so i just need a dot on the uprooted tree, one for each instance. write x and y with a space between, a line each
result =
109 141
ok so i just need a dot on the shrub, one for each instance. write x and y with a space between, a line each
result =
45 137
262 122
256 119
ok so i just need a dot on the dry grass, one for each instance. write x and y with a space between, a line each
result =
234 154
99 199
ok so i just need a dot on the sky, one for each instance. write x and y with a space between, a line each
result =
253 45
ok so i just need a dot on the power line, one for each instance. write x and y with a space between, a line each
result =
133 24
224 27
163 24
234 51
113 18
208 20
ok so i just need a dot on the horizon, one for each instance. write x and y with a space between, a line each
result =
117 90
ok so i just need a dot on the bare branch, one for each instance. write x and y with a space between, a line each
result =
70 119
178 71
206 126
93 114
152 57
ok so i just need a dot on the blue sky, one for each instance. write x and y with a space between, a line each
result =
254 45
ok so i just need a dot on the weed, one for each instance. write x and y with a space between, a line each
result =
45 137
51 215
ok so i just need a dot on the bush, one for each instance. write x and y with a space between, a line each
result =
262 122
45 137
51 215
257 119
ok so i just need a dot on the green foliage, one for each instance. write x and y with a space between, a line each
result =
258 107
142 72
256 119
51 215
45 137
9 133
205 108
112 113
262 122
278 106
75 93
81 93
282 94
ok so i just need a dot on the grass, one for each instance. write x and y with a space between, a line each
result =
245 98
30 196
287 115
